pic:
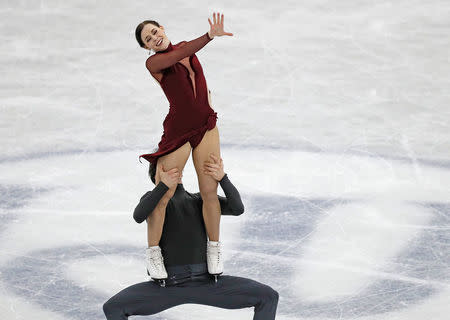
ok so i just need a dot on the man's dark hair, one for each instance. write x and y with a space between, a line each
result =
152 171
139 30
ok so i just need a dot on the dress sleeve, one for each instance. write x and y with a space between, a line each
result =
148 202
158 62
231 204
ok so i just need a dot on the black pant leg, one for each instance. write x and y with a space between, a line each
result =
229 292
235 293
143 298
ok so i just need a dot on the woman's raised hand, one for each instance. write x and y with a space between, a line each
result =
217 27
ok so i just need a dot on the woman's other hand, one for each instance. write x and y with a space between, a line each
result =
214 168
217 27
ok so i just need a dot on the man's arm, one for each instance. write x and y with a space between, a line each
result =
231 204
149 201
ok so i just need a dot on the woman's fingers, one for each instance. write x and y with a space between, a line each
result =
217 24
218 19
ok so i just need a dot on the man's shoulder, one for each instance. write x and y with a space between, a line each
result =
194 196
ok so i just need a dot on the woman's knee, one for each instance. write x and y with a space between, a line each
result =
208 191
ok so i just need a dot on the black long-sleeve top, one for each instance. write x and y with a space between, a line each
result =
183 239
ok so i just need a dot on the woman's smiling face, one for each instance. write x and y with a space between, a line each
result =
154 37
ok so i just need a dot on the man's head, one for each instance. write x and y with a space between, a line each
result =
152 171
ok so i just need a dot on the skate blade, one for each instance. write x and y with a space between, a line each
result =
216 276
161 282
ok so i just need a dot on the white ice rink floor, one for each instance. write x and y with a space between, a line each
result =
334 119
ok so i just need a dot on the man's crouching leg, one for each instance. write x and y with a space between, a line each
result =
143 298
266 308
232 292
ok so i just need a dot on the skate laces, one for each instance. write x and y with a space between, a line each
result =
156 261
219 254
215 249
156 258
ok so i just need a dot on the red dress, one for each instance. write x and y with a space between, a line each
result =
190 115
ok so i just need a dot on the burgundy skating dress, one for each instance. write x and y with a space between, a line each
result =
190 115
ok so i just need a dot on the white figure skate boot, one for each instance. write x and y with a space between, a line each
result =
214 258
155 265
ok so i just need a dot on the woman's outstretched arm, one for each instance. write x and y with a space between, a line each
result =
158 62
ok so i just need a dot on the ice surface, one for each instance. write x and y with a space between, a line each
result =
334 122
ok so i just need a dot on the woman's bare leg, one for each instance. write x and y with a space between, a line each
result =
207 184
155 221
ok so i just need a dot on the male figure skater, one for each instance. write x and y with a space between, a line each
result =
183 244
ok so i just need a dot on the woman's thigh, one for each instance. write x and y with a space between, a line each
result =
210 144
175 159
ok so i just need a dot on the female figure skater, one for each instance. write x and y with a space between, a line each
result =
190 124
